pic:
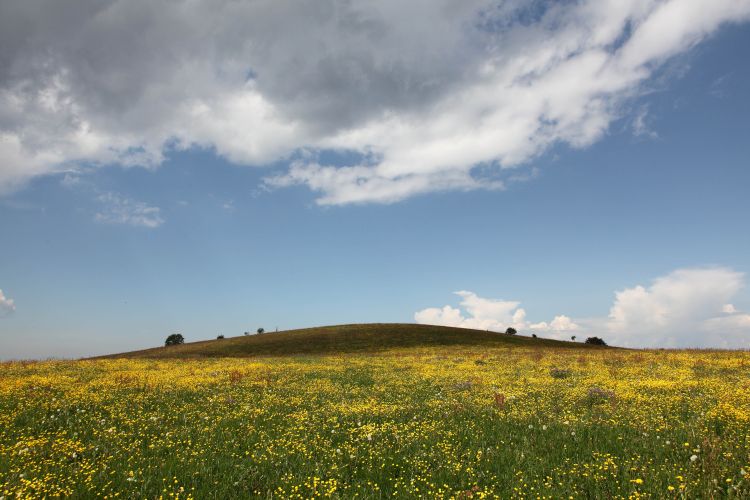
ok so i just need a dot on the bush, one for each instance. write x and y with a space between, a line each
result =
533 335
595 341
174 339
261 330
511 331
219 337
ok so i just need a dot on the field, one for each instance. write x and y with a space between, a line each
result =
478 419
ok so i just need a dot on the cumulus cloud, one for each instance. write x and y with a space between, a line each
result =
7 305
558 324
686 308
488 314
428 95
118 209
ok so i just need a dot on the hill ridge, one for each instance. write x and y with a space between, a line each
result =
338 339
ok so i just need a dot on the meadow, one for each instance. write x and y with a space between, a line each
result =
444 421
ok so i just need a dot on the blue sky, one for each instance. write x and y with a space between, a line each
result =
629 221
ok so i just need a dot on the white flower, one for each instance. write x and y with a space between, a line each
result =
369 437
742 471
693 458
544 427
668 441
531 426
573 433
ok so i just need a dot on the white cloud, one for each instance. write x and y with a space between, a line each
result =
686 308
7 305
429 95
488 314
117 209
563 323
728 309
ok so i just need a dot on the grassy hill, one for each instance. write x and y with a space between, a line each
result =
342 339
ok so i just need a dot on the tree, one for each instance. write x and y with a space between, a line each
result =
174 339
261 330
533 335
511 331
595 341
573 338
219 337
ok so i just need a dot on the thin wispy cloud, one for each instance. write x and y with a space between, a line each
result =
428 95
118 209
640 124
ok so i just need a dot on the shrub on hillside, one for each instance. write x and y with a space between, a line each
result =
595 341
511 331
174 339
219 337
261 330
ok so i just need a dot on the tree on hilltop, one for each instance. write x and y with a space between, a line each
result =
174 339
511 331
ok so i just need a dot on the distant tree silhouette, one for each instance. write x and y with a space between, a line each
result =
247 333
511 331
174 339
533 335
261 330
595 341
573 338
219 337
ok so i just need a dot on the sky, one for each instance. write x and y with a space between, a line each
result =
575 168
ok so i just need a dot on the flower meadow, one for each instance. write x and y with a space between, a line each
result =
431 422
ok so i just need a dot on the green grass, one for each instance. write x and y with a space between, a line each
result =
358 338
420 422
378 411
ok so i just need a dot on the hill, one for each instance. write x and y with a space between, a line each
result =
342 339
